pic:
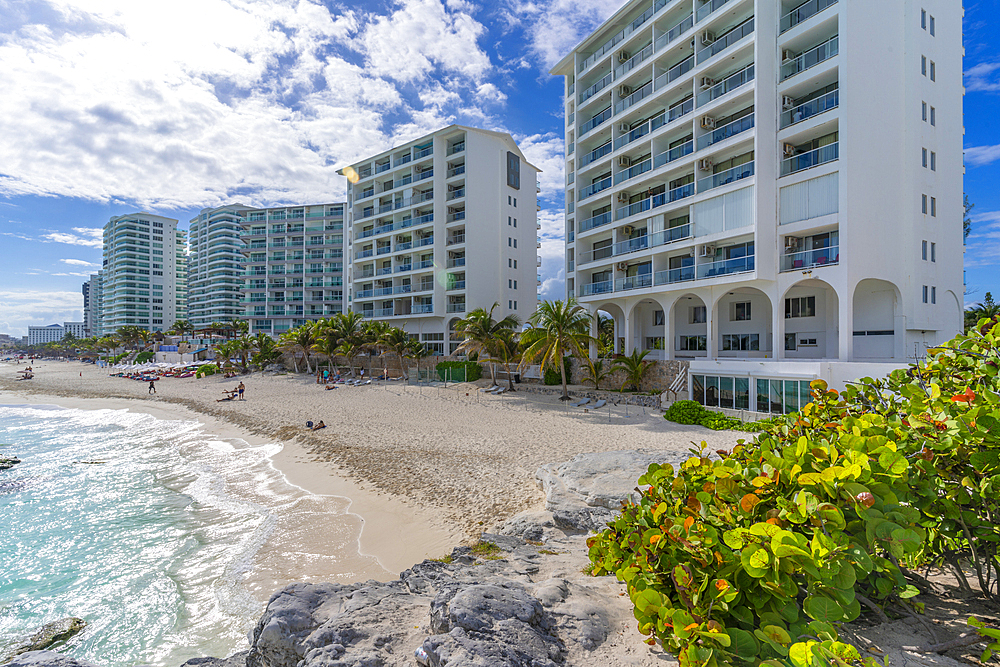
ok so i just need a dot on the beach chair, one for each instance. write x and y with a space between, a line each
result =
580 404
499 391
600 404
489 389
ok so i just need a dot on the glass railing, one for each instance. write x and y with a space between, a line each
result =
726 131
382 312
456 171
595 154
455 194
727 85
678 111
456 307
405 180
596 255
570 148
808 259
570 89
458 261
594 188
634 171
570 118
591 289
428 263
382 291
596 88
457 284
458 215
813 158
403 159
363 294
811 58
672 235
380 168
383 250
403 268
366 194
595 121
725 267
424 175
709 7
675 72
629 137
655 201
457 148
364 253
632 245
811 108
569 178
675 153
643 92
634 282
427 240
727 40
635 60
804 11
744 170
456 239
423 152
617 39
400 247
595 221
425 308
675 32
402 289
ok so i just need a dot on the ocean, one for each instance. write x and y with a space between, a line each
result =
167 540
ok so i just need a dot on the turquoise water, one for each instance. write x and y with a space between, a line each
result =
154 546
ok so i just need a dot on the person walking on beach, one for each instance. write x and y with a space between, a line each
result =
240 390
152 387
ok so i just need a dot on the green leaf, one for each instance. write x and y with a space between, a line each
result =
777 633
822 608
755 560
742 643
800 654
893 462
648 601
909 591
733 539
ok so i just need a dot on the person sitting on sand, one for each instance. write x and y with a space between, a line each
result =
319 425
330 386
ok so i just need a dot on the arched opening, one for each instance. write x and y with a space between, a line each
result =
874 306
811 321
743 324
616 329
648 330
689 330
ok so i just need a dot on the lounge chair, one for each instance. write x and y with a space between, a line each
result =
499 391
600 404
580 403
490 389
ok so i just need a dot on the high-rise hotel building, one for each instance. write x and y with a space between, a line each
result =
441 226
138 281
214 265
771 190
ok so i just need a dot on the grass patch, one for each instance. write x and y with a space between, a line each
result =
548 552
487 550
444 559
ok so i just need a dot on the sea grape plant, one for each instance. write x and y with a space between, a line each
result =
758 555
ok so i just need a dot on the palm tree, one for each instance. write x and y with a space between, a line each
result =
266 351
181 328
418 351
481 333
327 344
224 352
508 348
988 309
129 335
598 373
301 339
605 335
557 328
371 342
243 349
397 341
349 351
635 367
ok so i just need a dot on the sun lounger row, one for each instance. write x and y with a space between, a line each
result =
585 403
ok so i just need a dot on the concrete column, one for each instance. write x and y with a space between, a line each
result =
711 344
629 343
846 322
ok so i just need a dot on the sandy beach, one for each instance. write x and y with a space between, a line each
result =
424 468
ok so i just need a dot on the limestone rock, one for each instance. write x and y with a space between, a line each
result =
46 659
49 634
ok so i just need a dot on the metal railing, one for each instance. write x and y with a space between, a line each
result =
685 24
595 154
813 158
421 308
590 289
634 170
643 92
594 188
675 153
615 40
598 119
804 11
726 131
672 235
402 268
678 275
808 259
456 171
635 60
457 261
595 221
709 7
458 238
727 85
456 308
596 88
723 42
809 59
655 201
813 107
634 282
744 170
596 255
675 72
725 267
679 110
632 245
455 194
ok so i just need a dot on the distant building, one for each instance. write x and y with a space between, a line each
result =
92 302
78 329
42 335
85 289
214 265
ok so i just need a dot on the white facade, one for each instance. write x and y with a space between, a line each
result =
78 329
93 303
439 227
42 335
139 285
781 181
215 260
293 265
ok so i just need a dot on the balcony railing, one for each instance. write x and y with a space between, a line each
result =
678 111
428 263
594 188
727 40
634 282
808 259
672 235
632 245
426 241
675 72
406 245
590 289
382 291
675 32
617 39
675 153
380 168
601 117
813 158
726 131
811 58
456 216
402 289
404 159
634 61
570 118
456 194
595 154
422 308
402 268
458 238
456 171
804 11
456 308
382 312
726 267
634 170
383 250
363 294
424 175
643 92
457 148
595 221
708 8
813 107
727 85
361 254
458 261
596 255
744 170
655 201
596 88
423 152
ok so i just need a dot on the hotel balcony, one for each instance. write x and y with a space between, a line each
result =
810 259
802 13
811 159
807 110
810 58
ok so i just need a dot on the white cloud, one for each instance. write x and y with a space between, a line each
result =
546 151
556 26
78 262
979 156
24 308
552 254
82 236
982 77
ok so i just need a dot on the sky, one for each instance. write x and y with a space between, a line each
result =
115 106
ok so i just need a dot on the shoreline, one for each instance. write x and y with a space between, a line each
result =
383 519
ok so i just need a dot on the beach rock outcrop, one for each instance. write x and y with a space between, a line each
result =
45 659
47 635
8 462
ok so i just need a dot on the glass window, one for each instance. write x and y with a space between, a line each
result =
698 314
933 161
923 19
923 157
741 395
805 392
923 65
776 403
698 388
726 398
932 26
712 391
933 116
791 396
934 252
657 318
923 203
741 311
933 207
762 396
789 342
933 294
933 71
925 293
923 250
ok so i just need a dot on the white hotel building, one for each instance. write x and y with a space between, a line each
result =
439 227
771 190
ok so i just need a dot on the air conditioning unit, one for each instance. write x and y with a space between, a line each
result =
705 164
691 252
622 266
624 128
624 91
707 37
791 243
622 197
623 56
787 55
624 161
787 102
707 123
627 230
708 251
706 82
788 150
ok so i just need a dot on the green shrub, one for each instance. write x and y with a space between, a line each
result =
143 357
205 370
685 412
461 371
553 376
731 561
117 358
692 412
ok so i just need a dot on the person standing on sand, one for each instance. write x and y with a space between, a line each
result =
240 390
152 387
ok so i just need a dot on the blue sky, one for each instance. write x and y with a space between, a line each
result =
113 106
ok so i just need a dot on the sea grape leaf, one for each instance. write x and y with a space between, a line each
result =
823 608
742 643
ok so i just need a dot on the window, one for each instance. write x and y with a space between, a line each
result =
509 264
515 222
515 284
923 107
923 203
923 19
740 342
933 294
510 283
923 65
933 71
933 207
691 343
933 116
508 220
925 293
510 242
790 342
932 26
657 318
934 252
515 202
802 306
698 314
923 157
923 250
515 305
741 312
933 161
515 243
807 342
510 305
515 263
513 171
